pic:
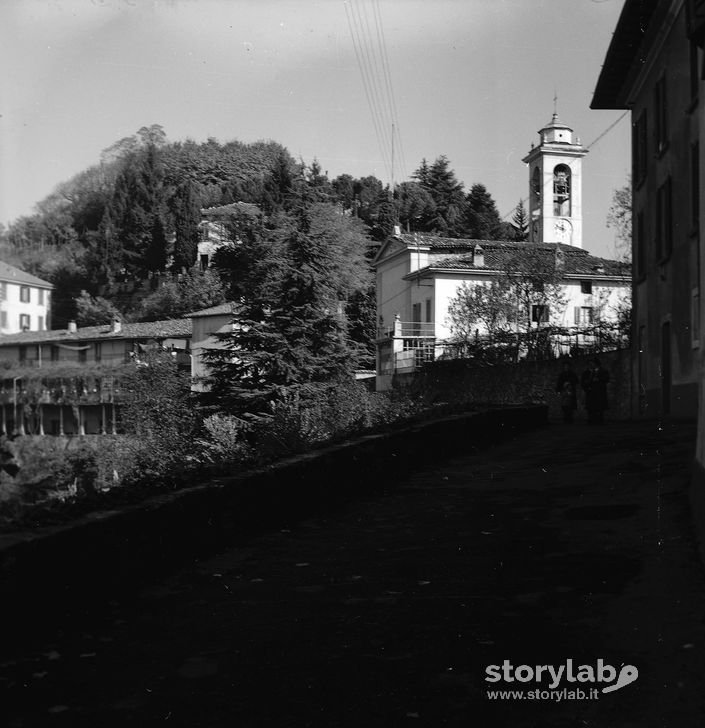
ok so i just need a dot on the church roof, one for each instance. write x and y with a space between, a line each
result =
556 123
499 256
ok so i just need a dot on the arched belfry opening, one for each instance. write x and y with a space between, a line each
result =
555 184
561 190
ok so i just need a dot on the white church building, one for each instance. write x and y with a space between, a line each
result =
419 274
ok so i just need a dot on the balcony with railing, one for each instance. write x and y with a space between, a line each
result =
408 330
405 346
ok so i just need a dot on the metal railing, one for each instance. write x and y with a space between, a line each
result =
407 329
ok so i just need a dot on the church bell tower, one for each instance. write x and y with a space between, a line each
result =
555 186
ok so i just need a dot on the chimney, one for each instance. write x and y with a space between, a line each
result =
560 259
116 327
397 231
72 327
478 257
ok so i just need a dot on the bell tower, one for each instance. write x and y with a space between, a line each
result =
555 186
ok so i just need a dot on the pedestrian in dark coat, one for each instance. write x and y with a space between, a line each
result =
567 388
594 383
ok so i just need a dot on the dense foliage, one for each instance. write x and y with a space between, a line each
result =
136 215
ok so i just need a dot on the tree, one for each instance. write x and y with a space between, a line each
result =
138 211
193 291
417 208
516 306
520 222
157 412
619 218
440 182
344 190
483 221
317 179
535 278
92 311
487 306
187 217
291 328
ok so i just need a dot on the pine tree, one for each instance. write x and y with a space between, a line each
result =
187 217
483 221
138 211
440 182
520 222
290 329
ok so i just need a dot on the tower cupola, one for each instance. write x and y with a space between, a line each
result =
556 132
555 186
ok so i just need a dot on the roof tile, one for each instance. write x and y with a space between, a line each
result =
171 328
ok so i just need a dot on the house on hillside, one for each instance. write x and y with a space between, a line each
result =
206 325
654 68
66 381
25 301
418 277
216 225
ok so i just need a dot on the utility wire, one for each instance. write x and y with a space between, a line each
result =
365 82
373 86
373 62
390 87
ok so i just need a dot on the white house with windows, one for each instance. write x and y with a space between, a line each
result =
214 230
25 301
420 275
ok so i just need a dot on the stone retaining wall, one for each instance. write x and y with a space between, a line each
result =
525 382
108 553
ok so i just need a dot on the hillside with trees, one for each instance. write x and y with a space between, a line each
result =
119 240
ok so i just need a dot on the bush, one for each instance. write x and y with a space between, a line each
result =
225 439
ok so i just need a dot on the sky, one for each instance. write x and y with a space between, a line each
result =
473 80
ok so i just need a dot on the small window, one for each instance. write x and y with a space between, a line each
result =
586 287
695 186
40 323
694 72
661 112
539 313
664 220
428 310
640 248
24 294
98 351
695 318
40 296
584 315
22 353
25 322
3 319
3 291
640 145
54 353
82 355
204 261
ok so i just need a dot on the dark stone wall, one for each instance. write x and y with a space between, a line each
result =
46 574
523 383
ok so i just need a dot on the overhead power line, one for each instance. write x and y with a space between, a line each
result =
370 46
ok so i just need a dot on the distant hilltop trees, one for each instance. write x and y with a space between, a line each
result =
135 216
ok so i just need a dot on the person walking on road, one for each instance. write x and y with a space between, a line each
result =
594 383
567 388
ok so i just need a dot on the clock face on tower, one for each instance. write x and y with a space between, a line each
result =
563 231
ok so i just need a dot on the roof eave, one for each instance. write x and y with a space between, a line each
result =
627 39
